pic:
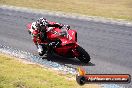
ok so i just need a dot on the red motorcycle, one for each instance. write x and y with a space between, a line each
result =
69 47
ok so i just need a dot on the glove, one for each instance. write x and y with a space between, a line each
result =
66 26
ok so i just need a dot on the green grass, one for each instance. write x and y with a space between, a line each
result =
15 74
119 9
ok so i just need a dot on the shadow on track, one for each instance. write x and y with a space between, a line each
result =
72 62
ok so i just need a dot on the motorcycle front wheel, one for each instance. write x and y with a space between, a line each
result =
83 55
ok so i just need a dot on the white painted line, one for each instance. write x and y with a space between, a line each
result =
36 59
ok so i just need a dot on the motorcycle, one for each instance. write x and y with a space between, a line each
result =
68 46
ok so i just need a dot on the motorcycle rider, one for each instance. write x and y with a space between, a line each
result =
38 31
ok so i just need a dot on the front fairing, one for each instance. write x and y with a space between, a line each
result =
66 37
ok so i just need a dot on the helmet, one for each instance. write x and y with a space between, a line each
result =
42 21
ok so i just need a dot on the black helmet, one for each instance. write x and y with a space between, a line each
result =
42 21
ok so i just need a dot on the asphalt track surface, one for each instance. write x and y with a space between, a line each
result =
109 45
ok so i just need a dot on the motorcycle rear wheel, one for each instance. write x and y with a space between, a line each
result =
83 55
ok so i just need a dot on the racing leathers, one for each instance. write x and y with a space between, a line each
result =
39 34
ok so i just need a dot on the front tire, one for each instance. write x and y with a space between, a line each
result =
83 55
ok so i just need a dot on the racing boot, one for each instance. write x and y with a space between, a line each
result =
41 49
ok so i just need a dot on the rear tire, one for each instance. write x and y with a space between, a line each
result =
84 56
